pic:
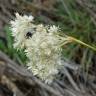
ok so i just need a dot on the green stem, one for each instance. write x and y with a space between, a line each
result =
82 43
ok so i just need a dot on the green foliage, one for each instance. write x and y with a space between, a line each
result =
77 23
18 56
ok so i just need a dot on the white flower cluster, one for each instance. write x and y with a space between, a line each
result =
44 54
41 48
19 27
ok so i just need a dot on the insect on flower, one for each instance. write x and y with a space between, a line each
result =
42 46
28 35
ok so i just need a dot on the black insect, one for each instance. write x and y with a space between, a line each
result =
29 35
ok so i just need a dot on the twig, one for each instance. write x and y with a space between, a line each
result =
11 86
71 79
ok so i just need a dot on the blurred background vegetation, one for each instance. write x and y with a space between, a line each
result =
74 17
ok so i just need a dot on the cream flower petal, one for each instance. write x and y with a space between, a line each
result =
41 48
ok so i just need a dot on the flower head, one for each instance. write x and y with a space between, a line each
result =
53 29
20 27
42 46
44 55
